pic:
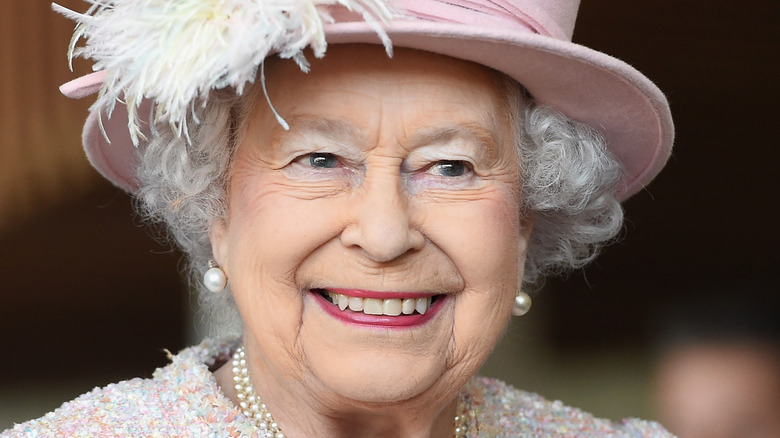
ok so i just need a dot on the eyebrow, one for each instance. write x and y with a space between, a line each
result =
339 130
347 132
443 134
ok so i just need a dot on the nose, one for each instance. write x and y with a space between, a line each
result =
381 224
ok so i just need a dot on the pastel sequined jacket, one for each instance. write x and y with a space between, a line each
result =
183 400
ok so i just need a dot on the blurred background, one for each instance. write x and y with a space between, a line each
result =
89 297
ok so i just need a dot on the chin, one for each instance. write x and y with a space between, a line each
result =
381 379
373 365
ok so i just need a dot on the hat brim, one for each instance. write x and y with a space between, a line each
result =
586 85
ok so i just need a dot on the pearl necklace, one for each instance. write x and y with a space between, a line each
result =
254 408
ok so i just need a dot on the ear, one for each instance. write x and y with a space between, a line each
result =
219 245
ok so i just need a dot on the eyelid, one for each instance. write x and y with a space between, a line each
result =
298 144
344 165
425 159
305 157
342 153
458 148
468 172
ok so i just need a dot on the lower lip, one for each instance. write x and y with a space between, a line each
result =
379 321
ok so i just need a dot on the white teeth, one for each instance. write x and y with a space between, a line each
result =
343 301
392 307
376 306
355 304
408 306
372 306
421 305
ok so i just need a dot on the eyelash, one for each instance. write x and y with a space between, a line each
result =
322 157
307 161
462 168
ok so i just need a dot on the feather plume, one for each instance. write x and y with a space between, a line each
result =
175 52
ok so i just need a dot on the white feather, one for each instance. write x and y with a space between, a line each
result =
175 52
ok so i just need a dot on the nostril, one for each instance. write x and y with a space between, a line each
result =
382 244
380 223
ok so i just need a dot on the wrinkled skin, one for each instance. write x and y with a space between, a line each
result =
396 175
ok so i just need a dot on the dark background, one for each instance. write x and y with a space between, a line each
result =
88 294
708 226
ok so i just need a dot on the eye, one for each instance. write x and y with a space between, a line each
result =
451 168
323 160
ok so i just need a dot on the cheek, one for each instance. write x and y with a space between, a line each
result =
278 221
270 232
483 238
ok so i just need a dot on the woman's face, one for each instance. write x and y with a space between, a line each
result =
395 191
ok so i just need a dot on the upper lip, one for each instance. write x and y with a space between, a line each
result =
383 295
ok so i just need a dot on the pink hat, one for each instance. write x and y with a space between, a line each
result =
528 40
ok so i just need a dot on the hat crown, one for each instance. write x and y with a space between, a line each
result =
528 40
553 18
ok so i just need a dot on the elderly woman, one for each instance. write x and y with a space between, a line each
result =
364 219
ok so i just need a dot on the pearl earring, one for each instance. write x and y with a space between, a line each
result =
215 279
522 304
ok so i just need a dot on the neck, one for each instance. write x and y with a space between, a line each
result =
302 411
382 422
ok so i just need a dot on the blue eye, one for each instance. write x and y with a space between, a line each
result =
323 160
451 168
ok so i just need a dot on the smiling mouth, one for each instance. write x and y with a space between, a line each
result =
378 306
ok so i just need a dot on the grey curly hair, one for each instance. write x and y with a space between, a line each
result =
568 183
